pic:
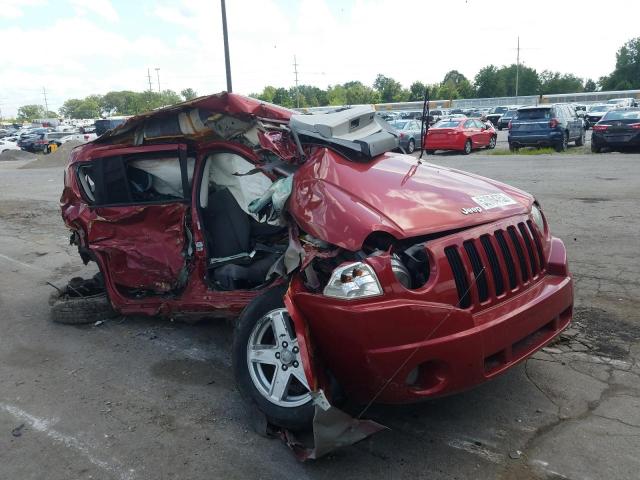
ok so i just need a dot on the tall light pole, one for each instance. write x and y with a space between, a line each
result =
158 75
227 60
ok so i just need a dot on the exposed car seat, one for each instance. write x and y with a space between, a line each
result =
231 231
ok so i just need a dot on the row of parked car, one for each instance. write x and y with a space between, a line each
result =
48 139
614 127
453 132
43 139
554 126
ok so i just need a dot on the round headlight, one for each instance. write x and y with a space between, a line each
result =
538 218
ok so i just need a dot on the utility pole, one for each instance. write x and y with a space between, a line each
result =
295 71
46 104
149 78
517 68
158 75
225 34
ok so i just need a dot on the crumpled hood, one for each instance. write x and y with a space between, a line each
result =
342 202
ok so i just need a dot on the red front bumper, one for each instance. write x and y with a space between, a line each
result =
403 349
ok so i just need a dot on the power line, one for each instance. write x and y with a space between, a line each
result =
517 68
46 104
295 71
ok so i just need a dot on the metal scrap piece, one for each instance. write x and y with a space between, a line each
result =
332 429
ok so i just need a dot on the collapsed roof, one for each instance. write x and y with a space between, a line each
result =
356 131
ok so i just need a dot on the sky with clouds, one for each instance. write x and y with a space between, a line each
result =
79 47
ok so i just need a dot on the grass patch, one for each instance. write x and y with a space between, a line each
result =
539 151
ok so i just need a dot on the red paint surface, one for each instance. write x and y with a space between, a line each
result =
455 138
342 202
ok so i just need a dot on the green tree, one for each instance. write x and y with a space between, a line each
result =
267 95
313 96
26 113
555 82
626 74
456 85
282 96
589 86
528 81
357 93
488 82
119 103
390 90
88 107
189 94
337 95
416 91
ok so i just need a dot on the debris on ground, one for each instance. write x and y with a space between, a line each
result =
13 155
55 159
515 454
17 432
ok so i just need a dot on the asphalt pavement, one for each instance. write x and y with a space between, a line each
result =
144 398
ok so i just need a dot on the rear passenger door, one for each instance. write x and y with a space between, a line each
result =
572 122
473 132
139 199
484 136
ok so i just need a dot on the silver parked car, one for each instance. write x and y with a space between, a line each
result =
408 133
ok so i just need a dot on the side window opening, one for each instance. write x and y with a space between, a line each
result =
159 179
135 179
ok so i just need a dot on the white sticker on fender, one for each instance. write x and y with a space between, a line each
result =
493 200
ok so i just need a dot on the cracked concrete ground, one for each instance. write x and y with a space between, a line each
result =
142 398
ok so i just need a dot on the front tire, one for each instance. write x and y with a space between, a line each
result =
412 146
580 140
267 364
492 143
467 147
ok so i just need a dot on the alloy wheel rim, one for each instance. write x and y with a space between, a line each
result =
274 361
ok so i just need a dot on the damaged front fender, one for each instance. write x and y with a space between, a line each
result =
331 428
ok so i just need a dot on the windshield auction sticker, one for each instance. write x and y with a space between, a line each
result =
493 200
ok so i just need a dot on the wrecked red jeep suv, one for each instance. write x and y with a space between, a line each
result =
357 272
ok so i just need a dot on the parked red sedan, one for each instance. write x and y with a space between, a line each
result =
464 134
356 271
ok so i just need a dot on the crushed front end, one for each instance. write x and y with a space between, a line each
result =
452 311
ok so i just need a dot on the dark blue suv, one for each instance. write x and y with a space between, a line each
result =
546 126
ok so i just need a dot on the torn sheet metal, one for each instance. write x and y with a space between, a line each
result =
332 429
279 143
122 236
